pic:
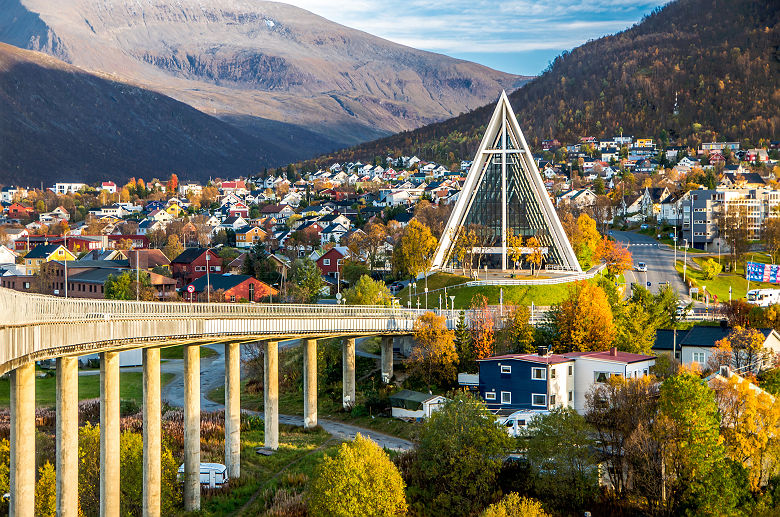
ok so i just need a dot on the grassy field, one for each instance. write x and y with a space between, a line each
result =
513 294
177 352
130 388
289 467
719 286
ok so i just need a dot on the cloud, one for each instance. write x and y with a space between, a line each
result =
480 26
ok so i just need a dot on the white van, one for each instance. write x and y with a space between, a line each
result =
517 423
212 475
763 297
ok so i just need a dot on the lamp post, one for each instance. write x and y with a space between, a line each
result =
414 291
685 257
65 240
208 280
452 302
675 247
426 297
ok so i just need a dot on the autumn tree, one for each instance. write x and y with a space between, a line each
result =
305 281
615 255
433 358
512 505
482 328
368 291
517 333
535 255
710 269
584 237
464 245
173 247
771 237
514 249
359 479
46 491
750 419
458 458
173 183
734 225
414 253
583 321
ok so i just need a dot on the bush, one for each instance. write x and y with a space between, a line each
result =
710 269
514 505
359 480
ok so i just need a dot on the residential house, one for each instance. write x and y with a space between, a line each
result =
44 253
191 264
248 236
231 288
699 343
331 261
7 255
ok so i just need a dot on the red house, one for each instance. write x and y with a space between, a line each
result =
19 211
231 288
331 261
191 264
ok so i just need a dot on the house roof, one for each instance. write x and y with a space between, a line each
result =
188 255
612 355
707 336
534 358
42 251
664 339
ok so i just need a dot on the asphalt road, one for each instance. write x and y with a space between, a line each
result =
659 259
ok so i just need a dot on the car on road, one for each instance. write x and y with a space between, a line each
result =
641 267
396 287
644 227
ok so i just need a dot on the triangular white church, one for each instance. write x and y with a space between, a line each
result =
504 193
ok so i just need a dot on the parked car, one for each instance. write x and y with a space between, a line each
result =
644 227
641 267
396 287
212 475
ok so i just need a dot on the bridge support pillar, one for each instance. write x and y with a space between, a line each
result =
310 384
233 409
152 492
192 428
67 460
109 434
23 441
348 372
387 359
271 394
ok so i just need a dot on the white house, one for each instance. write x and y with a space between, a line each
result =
413 404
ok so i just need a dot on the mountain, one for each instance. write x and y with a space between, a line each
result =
693 70
60 123
261 66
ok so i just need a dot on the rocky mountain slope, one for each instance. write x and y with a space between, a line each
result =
263 66
59 123
694 70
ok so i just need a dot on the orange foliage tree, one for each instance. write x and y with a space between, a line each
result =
482 328
616 256
583 321
433 358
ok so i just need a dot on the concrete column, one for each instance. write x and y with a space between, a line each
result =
67 461
109 434
192 428
387 359
348 372
310 384
233 409
152 433
23 441
271 394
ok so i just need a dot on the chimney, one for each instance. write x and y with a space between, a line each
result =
541 350
613 351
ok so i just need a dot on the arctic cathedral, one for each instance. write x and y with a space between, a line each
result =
504 195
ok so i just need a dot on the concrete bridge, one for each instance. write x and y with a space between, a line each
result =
36 327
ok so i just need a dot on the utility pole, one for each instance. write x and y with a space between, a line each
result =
208 280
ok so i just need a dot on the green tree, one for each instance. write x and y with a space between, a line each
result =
413 254
696 470
46 491
561 458
359 480
306 280
464 345
124 287
351 271
710 269
460 453
512 505
5 472
517 334
635 329
368 292
131 448
173 247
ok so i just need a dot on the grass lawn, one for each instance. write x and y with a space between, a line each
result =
177 352
327 408
130 388
290 466
435 281
719 285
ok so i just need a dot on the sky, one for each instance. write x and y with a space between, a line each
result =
516 36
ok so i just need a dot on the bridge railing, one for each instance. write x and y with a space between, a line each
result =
18 308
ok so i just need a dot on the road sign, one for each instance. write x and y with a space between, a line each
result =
339 296
648 284
190 288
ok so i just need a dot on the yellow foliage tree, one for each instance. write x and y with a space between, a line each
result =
359 480
434 357
512 505
584 319
616 256
46 491
750 419
515 251
535 256
743 349
413 254
482 328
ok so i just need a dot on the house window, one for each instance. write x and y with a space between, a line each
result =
571 396
326 262
521 423
506 397
600 376
539 374
252 292
552 373
698 357
552 400
491 395
645 372
539 400
232 297
571 370
506 368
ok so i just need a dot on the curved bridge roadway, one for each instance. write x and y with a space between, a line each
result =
35 327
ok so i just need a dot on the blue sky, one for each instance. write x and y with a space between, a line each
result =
517 36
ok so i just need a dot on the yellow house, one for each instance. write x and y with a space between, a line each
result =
175 210
248 236
44 253
644 142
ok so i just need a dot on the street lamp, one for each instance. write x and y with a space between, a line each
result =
414 291
65 240
685 257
